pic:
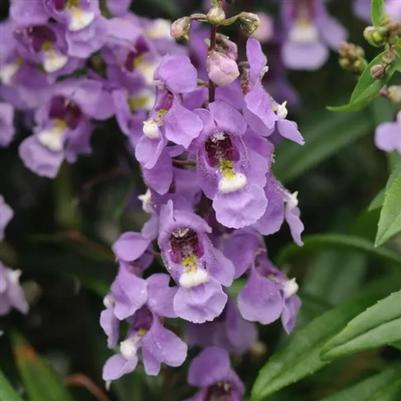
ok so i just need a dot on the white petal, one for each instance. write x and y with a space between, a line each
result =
80 19
232 184
7 72
303 31
151 129
128 348
54 61
290 288
193 278
53 137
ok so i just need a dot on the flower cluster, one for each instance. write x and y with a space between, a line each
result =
68 64
205 150
202 128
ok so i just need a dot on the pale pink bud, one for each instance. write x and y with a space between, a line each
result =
222 70
180 28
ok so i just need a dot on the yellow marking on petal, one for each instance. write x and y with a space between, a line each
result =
190 263
227 169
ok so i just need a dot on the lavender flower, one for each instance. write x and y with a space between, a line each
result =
268 294
309 32
211 372
388 135
11 295
362 9
196 266
64 125
142 303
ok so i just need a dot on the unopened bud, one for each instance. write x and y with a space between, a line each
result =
180 28
216 15
378 71
249 23
375 36
226 46
359 66
222 70
394 94
352 58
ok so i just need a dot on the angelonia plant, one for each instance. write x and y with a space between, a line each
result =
203 129
205 149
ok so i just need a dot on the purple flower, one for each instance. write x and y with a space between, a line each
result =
7 129
229 331
168 121
11 294
64 125
231 167
26 13
82 43
362 9
142 303
196 266
6 214
309 32
211 372
262 112
282 206
393 9
388 135
268 294
45 45
75 14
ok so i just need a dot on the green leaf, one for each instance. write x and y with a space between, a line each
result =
370 388
41 382
377 326
7 393
377 201
390 215
299 356
338 241
377 12
322 140
367 88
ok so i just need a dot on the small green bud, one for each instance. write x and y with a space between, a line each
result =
375 36
249 22
216 15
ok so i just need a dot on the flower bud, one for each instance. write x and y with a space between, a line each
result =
249 22
216 15
378 71
222 70
375 36
180 28
394 94
226 46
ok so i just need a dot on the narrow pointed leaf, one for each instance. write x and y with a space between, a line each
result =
377 326
41 382
299 356
7 393
390 215
364 390
377 12
367 88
